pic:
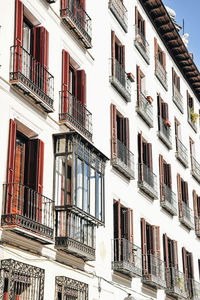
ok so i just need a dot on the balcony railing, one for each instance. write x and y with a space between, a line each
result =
156 272
120 12
75 233
188 217
194 289
78 20
27 74
147 181
176 285
28 212
164 132
145 109
195 169
161 73
127 257
73 111
169 199
197 222
191 120
119 79
124 160
181 153
177 98
141 44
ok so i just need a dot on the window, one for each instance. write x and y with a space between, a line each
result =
182 188
160 64
192 148
175 80
160 55
165 172
162 109
192 116
140 82
164 124
140 23
188 270
196 201
68 288
144 152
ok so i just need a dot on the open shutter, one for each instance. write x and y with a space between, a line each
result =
136 16
169 175
123 56
140 156
166 111
65 82
11 151
64 5
186 192
41 46
180 206
185 269
113 51
196 218
162 194
164 60
149 153
130 225
138 85
117 220
175 254
155 51
156 241
144 247
166 258
144 28
113 131
18 23
126 132
80 86
173 78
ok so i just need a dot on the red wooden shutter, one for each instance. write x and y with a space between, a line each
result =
130 226
65 82
196 217
41 46
117 220
82 3
18 23
161 168
113 131
138 85
80 86
164 59
136 16
64 5
11 151
173 80
155 51
179 196
140 155
40 167
144 247
166 111
175 254
166 254
159 106
170 175
113 51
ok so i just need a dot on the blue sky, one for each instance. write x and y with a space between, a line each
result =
189 10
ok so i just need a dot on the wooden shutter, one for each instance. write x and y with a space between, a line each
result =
166 256
144 246
180 206
18 23
40 167
138 85
65 82
41 46
144 29
149 153
64 5
173 79
156 241
170 175
117 220
140 155
126 132
185 268
113 51
130 226
136 16
186 192
155 51
161 168
11 151
113 131
80 86
123 56
175 254
196 217
164 59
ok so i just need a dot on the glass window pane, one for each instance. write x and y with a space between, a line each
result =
98 195
86 188
79 183
92 192
60 180
61 145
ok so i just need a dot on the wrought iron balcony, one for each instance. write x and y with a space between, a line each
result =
75 233
181 153
119 79
164 132
145 109
191 119
21 281
27 212
194 289
147 181
124 160
76 18
176 285
73 111
155 275
197 221
168 200
142 45
161 73
126 258
195 169
187 217
28 75
120 12
177 98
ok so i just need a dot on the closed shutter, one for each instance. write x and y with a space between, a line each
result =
80 86
180 206
138 85
64 6
155 51
162 189
166 258
175 254
136 16
65 82
18 40
196 217
113 131
140 156
144 246
113 51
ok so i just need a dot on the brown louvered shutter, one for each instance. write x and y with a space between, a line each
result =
140 156
144 246
156 241
155 51
138 85
149 151
65 82
80 86
123 56
136 16
186 192
169 175
113 131
161 168
113 51
173 79
185 268
144 29
64 6
18 23
180 206
130 226
166 258
196 217
164 59
11 151
117 222
175 254
126 132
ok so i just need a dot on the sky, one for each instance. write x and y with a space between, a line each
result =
189 10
